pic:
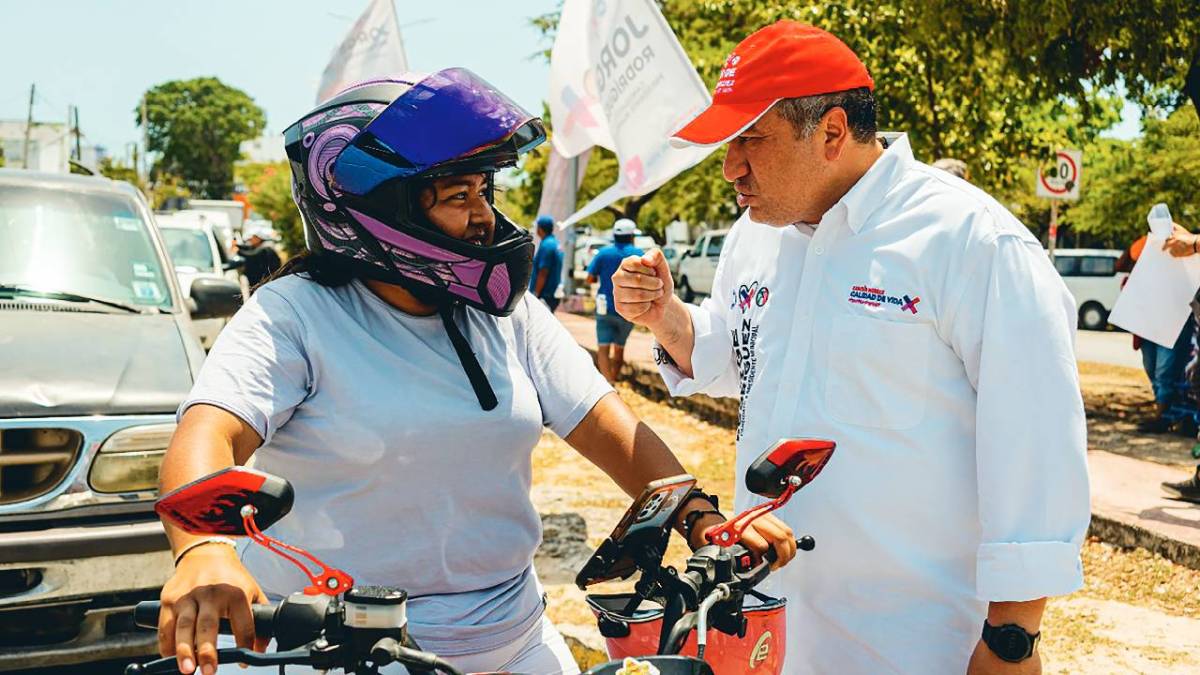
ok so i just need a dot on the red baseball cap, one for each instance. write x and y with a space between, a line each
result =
787 59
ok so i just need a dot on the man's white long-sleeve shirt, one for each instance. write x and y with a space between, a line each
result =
923 328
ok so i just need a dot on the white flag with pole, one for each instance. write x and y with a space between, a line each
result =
372 48
620 79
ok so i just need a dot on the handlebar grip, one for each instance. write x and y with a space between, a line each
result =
805 543
145 615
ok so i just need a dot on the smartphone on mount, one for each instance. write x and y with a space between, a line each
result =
642 532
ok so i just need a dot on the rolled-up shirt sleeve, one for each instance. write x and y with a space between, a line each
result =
714 371
1014 328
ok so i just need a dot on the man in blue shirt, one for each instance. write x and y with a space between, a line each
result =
612 330
547 265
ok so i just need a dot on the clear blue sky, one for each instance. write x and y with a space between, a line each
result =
101 55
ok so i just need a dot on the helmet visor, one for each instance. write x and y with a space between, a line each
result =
450 115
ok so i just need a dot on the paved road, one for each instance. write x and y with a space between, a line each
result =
1113 348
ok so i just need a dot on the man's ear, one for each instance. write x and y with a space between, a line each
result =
835 129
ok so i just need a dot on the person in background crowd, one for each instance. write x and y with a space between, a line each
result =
612 329
1182 244
869 298
1164 366
261 259
547 265
954 167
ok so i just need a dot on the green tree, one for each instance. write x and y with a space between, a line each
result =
951 89
270 189
1150 47
111 169
1124 178
197 127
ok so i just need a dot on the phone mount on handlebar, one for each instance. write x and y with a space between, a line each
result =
244 502
639 541
713 587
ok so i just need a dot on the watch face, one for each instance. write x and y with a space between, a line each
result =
1012 643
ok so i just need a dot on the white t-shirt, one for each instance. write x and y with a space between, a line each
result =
923 328
400 477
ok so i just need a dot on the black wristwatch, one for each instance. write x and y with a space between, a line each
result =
1010 642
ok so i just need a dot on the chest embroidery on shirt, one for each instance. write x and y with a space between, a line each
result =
877 297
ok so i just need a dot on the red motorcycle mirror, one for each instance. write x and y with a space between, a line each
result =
244 502
803 458
214 503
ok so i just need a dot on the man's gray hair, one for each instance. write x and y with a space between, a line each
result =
805 113
952 166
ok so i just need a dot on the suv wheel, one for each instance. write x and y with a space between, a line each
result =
1092 316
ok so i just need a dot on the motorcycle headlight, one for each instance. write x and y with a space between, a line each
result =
129 460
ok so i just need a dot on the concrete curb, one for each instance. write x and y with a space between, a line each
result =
1129 535
724 412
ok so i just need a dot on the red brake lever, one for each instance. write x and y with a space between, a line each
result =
328 581
730 532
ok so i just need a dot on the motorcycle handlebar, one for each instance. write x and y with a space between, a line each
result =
145 615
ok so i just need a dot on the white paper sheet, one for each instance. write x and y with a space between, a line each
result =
1155 302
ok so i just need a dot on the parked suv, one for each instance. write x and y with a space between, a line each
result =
698 265
96 353
1091 276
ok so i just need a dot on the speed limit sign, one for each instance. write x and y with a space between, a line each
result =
1060 179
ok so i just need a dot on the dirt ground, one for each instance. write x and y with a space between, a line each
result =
1117 399
1136 613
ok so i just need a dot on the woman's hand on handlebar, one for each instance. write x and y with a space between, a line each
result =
209 584
766 532
770 532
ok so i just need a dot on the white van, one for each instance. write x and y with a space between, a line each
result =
1092 277
698 265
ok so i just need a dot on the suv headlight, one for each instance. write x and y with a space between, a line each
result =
129 460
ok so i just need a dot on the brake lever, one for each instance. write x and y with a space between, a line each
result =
170 665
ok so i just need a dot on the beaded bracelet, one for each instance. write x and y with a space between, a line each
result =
200 542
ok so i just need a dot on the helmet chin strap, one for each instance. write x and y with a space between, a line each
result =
470 364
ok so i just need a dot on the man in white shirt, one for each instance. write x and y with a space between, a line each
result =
871 299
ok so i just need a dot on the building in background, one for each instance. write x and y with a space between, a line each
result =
50 146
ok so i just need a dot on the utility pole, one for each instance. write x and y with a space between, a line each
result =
78 148
28 129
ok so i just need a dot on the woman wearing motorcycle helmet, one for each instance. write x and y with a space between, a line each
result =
399 375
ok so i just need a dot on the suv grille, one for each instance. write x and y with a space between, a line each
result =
33 461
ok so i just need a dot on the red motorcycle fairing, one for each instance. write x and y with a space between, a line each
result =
761 652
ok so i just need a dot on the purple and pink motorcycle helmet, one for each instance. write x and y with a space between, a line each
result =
359 160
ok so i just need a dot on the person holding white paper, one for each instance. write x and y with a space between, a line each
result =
1184 244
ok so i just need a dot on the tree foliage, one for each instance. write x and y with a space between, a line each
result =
1150 47
197 127
109 168
940 75
269 186
1124 178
